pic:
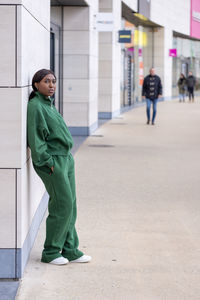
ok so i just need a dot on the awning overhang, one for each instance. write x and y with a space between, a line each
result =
136 18
69 3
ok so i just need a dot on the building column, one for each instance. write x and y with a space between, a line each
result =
163 41
109 63
80 69
23 28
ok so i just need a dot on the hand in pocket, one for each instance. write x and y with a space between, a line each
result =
52 168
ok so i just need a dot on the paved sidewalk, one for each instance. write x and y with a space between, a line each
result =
138 192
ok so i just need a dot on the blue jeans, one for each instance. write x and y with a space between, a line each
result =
149 102
182 97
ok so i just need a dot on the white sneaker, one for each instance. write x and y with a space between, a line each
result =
59 261
82 259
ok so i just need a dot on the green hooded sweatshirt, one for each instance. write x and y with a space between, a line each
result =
47 132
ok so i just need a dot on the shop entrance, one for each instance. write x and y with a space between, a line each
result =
56 63
128 83
184 68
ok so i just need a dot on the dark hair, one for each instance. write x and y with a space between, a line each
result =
182 75
38 76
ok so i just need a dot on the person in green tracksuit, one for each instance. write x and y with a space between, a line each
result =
50 142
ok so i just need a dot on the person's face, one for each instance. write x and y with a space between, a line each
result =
152 72
190 73
47 85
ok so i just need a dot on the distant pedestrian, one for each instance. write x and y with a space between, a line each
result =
181 87
151 91
191 81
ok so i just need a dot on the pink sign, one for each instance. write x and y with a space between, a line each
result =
131 49
195 19
172 52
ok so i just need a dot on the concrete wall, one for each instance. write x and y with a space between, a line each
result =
163 40
25 37
108 5
80 69
109 63
33 30
177 16
24 26
177 19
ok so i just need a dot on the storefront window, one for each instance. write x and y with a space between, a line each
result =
55 63
188 59
136 60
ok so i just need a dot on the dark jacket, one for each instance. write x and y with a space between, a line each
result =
191 81
152 87
181 85
47 132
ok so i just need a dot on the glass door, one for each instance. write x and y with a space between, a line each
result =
56 63
129 79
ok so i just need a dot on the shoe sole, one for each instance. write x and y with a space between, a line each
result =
58 264
80 262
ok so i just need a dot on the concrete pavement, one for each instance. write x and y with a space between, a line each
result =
138 190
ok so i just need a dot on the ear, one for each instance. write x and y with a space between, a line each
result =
36 85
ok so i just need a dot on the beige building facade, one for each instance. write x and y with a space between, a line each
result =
97 76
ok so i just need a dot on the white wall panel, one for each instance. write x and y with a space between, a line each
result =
11 2
93 112
76 66
110 61
33 54
7 212
105 102
30 192
173 14
10 128
40 10
56 15
8 45
80 65
106 5
76 113
33 47
76 18
75 90
76 42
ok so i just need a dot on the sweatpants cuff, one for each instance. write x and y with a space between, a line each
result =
48 258
72 256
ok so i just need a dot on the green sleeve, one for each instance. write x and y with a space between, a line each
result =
37 133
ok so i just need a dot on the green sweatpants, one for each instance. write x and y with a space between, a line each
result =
61 236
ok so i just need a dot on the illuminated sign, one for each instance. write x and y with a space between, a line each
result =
195 19
173 52
125 36
140 38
